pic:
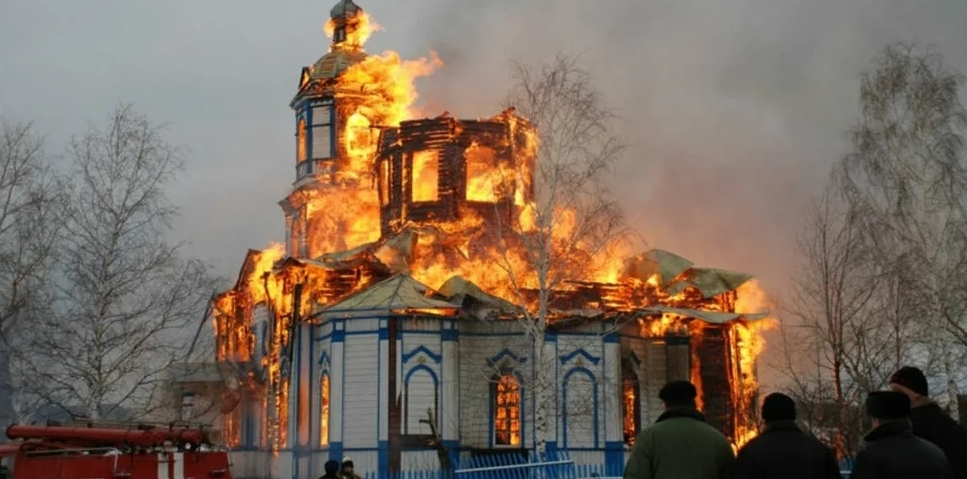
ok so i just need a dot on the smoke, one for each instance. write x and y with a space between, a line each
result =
734 110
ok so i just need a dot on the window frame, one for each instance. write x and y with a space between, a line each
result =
628 373
328 121
325 409
496 406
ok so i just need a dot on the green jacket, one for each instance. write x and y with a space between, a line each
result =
680 445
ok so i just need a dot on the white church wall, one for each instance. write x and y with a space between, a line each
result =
360 388
322 368
421 359
655 375
337 380
419 461
485 347
583 391
610 428
251 464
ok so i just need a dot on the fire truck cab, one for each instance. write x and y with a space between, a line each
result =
131 452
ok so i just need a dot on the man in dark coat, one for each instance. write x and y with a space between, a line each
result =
892 451
782 450
680 445
929 420
332 470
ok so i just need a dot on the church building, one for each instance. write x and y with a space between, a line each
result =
341 344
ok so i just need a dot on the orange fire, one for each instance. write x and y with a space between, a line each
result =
344 214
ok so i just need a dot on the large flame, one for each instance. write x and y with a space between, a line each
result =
379 91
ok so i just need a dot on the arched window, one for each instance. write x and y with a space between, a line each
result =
630 403
506 398
300 144
324 410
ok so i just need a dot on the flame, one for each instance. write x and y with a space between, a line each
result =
341 212
363 27
749 344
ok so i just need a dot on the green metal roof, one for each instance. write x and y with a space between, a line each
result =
713 317
398 293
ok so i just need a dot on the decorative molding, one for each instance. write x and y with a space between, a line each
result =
506 353
581 356
426 353
633 358
324 360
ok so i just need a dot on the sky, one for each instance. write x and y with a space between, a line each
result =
733 110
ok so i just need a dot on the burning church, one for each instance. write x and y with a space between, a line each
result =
387 329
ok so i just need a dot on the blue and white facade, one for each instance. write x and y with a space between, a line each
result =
353 366
363 375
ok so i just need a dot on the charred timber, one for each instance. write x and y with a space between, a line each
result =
448 140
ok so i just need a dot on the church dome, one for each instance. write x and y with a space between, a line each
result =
335 62
344 9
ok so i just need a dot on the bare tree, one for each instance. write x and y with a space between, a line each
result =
29 196
126 299
840 346
572 219
907 179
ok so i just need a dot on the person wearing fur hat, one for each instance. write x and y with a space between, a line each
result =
782 450
929 420
892 450
680 445
347 471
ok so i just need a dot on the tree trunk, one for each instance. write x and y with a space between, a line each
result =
6 389
949 370
542 395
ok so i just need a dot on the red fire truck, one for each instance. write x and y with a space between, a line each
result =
132 452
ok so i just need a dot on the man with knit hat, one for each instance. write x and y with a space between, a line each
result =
680 445
892 451
929 420
782 450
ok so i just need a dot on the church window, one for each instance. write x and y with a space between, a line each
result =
302 414
482 175
300 144
424 181
322 145
630 405
384 182
324 410
507 402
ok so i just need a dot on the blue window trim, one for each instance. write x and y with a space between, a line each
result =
493 409
406 390
594 404
329 122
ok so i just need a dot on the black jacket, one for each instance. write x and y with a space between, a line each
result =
933 424
893 452
783 451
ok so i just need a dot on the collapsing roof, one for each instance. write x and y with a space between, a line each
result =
399 293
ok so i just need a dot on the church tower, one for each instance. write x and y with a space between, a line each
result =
333 204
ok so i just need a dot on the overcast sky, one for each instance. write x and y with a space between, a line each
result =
734 108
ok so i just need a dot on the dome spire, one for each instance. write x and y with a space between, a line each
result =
345 17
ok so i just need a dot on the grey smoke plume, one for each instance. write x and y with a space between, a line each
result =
734 109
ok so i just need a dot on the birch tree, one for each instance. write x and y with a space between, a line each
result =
573 219
127 300
841 347
29 205
906 177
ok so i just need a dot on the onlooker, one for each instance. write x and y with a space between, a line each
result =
347 471
332 470
892 451
929 420
680 445
782 450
